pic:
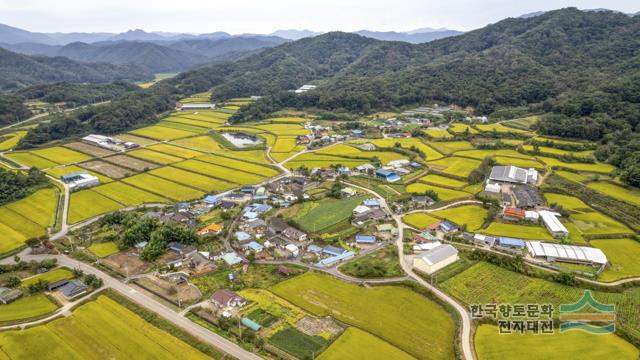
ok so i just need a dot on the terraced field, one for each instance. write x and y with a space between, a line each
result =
381 311
629 195
419 221
239 165
623 258
443 181
407 143
596 168
99 329
348 151
519 231
471 215
9 141
457 166
438 133
357 344
444 194
315 216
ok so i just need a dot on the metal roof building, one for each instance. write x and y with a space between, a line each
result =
513 174
436 258
553 224
567 253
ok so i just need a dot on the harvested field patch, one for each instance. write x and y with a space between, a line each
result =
89 149
130 162
107 169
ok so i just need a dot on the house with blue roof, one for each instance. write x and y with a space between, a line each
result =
314 249
365 239
447 226
211 200
254 246
387 175
357 132
242 236
333 250
330 261
250 215
371 203
231 258
511 243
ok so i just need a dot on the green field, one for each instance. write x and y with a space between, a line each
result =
220 172
595 223
239 165
522 123
164 187
153 156
484 283
104 249
356 344
127 195
41 206
457 166
447 147
518 231
100 329
61 155
623 257
571 176
50 276
596 168
429 152
315 216
443 180
10 239
444 194
381 311
297 343
189 178
20 223
30 160
175 150
161 133
284 144
566 201
629 195
419 220
471 215
438 133
27 307
499 128
9 141
490 345
87 204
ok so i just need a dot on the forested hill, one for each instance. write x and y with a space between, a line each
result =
18 71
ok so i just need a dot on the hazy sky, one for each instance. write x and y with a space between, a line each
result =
264 16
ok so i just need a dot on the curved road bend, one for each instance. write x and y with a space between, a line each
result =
465 329
194 329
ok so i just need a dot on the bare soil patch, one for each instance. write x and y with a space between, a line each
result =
314 326
107 169
184 293
125 264
131 162
89 149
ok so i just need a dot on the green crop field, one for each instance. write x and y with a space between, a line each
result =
566 201
239 165
457 166
9 141
522 163
597 167
348 151
104 249
356 344
419 220
87 204
220 172
518 231
522 123
40 206
553 151
30 160
595 223
61 155
484 283
623 257
161 133
314 160
25 308
444 194
315 216
176 150
443 180
490 345
460 128
164 187
499 128
153 156
407 143
381 311
189 178
20 223
629 195
11 239
68 169
100 329
571 176
284 144
438 133
50 277
127 195
297 343
471 215
481 154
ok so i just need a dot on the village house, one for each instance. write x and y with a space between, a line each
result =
181 249
225 298
370 215
214 229
436 259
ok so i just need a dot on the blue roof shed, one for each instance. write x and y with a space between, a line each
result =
242 236
511 242
254 246
211 200
365 239
251 324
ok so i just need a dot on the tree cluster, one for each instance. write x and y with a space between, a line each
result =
17 185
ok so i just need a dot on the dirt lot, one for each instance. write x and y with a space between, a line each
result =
125 264
313 326
131 162
89 149
184 292
107 169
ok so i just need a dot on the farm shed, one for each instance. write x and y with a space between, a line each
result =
436 259
512 174
194 106
8 295
365 239
553 224
250 324
387 175
511 243
484 239
231 258
80 180
73 288
426 246
330 261
567 253
254 246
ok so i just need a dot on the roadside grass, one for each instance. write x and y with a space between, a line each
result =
518 231
491 345
25 308
631 196
360 345
623 257
104 249
98 329
471 215
381 310
86 204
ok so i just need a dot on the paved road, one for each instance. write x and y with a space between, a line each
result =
194 329
465 329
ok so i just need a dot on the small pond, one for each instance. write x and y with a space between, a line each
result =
242 140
